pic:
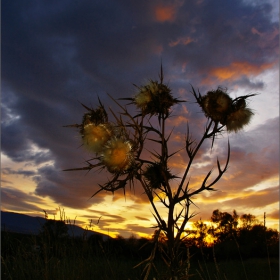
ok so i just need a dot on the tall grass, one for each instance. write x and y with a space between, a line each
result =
20 261
77 259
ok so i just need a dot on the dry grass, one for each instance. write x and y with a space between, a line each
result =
19 261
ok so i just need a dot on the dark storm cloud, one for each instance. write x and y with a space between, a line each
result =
246 83
72 190
135 228
16 146
56 54
107 220
94 45
258 199
18 200
25 173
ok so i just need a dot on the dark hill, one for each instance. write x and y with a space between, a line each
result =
20 223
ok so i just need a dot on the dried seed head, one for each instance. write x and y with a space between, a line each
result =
95 136
117 155
97 116
220 107
238 119
216 105
156 175
154 98
143 98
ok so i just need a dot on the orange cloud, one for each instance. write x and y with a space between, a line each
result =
269 36
182 41
238 69
274 214
165 13
255 31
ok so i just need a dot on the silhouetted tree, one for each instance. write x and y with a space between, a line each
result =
258 241
226 225
248 221
201 231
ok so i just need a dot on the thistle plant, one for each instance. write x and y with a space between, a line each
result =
119 148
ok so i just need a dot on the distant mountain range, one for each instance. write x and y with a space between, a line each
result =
20 223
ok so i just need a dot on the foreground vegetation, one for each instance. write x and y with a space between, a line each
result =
249 251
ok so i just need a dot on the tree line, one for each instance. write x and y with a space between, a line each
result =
231 236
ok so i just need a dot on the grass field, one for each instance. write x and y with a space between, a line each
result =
28 268
19 260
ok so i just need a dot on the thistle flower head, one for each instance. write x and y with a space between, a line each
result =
95 129
154 98
216 104
221 108
143 98
117 155
156 175
239 117
95 136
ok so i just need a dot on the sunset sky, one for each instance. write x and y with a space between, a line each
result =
58 54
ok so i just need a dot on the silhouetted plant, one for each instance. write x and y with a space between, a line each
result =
248 220
226 224
200 233
118 147
53 238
